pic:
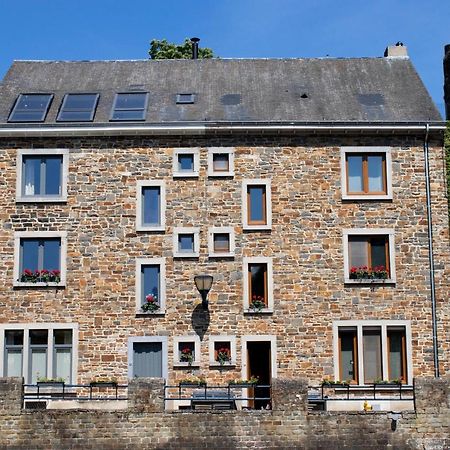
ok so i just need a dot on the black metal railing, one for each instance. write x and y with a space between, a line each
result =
374 391
78 392
231 396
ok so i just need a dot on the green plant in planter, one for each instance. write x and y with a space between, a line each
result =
187 355
252 380
257 304
51 380
196 381
151 303
223 355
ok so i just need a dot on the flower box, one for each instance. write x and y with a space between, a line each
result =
103 384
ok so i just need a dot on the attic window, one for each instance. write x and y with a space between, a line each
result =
184 99
130 106
30 108
78 108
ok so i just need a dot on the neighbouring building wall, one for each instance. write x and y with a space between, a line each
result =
447 80
305 245
288 425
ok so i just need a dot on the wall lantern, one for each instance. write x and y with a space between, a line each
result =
204 283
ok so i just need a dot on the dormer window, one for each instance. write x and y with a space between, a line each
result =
78 108
31 108
130 106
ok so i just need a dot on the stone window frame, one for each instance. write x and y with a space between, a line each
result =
162 190
233 349
221 230
64 175
50 326
195 152
270 301
387 232
256 182
19 235
164 348
364 149
195 231
221 150
161 262
383 324
177 340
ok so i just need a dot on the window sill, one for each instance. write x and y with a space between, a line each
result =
255 312
19 284
367 197
221 255
247 227
185 175
181 364
185 255
150 228
41 199
217 365
159 312
369 281
220 174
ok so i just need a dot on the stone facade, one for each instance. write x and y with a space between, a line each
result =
287 425
305 244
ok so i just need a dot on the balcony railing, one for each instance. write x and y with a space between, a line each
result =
231 396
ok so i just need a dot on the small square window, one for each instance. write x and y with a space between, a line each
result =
366 173
186 242
31 108
185 99
221 242
368 256
186 351
257 209
42 175
78 108
40 258
220 161
151 206
130 106
150 285
258 285
186 163
222 350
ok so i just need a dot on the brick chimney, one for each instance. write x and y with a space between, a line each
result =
397 50
447 80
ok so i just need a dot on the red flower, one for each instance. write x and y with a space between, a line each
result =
28 272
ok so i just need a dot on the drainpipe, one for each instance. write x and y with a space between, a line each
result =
430 253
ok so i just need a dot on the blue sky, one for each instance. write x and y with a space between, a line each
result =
101 29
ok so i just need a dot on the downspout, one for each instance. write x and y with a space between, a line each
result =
430 253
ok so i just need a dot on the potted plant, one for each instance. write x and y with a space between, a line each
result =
44 381
193 381
257 304
103 382
394 382
251 382
151 303
223 355
187 355
367 273
43 276
335 383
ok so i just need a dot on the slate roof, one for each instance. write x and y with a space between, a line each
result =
235 90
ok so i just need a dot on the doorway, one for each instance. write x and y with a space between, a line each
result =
147 357
259 364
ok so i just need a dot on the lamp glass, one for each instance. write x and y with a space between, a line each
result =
203 282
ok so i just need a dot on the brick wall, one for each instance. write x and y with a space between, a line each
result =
305 244
288 425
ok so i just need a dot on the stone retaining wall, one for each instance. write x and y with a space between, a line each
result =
146 426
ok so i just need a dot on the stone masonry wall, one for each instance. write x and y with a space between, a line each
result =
305 243
145 426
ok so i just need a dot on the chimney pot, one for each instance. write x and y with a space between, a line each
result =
397 50
195 41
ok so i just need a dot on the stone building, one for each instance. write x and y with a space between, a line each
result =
299 185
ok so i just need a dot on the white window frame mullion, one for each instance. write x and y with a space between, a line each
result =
26 355
360 350
384 352
50 349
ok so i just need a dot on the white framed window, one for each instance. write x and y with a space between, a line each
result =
186 242
222 350
150 285
38 351
186 351
256 204
368 351
148 357
151 206
258 284
40 258
366 173
186 162
221 242
42 175
369 255
220 161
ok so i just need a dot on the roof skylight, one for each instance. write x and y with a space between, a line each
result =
130 106
30 108
78 108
